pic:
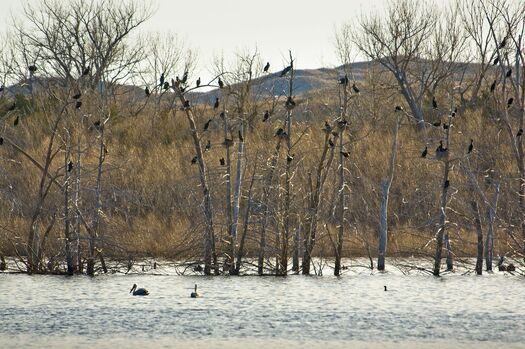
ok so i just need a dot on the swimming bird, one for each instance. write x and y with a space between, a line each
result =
184 77
206 125
138 291
208 146
425 152
354 87
77 96
470 147
266 67
266 115
194 294
217 103
198 83
69 166
493 86
286 70
221 83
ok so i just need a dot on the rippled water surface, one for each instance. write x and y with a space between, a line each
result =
418 311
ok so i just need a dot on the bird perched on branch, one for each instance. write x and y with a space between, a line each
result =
78 104
440 148
241 138
327 128
216 105
221 83
161 80
493 86
434 103
342 123
221 161
445 126
280 132
290 103
289 157
1 140
86 71
331 143
32 68
208 146
198 83
69 166
398 108
194 160
166 86
266 115
520 132
184 77
345 154
425 152
503 43
286 70
470 147
146 91
206 125
187 104
77 95
446 184
266 67
496 61
509 102
354 88
17 120
436 124
343 80
509 73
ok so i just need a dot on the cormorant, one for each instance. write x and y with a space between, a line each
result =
434 103
509 73
208 146
222 115
345 153
69 166
342 123
354 87
437 124
520 132
503 43
77 96
266 115
385 288
221 161
1 140
445 126
496 61
166 85
509 102
216 105
221 83
161 79
440 147
470 147
266 67
343 80
138 291
289 157
399 108
78 104
331 143
425 152
17 119
206 125
194 160
146 91
32 68
86 71
279 132
290 103
493 86
186 104
184 77
286 70
241 138
447 184
198 83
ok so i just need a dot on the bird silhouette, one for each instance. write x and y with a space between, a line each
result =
470 147
425 152
445 126
345 153
331 143
437 124
146 91
221 161
198 83
327 128
17 120
186 104
354 87
1 140
266 115
520 132
184 77
496 61
86 70
161 80
509 73
398 108
493 86
227 142
138 291
266 67
206 125
503 43
77 96
69 166
216 105
32 68
509 102
446 184
289 157
440 148
290 103
78 104
194 160
342 123
221 83
167 86
343 80
279 132
434 103
286 70
241 138
208 146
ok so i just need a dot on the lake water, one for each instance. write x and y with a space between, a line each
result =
418 311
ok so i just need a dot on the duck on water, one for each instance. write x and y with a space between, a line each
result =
138 291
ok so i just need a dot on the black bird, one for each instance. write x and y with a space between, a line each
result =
77 96
470 147
343 80
69 166
437 124
146 91
97 124
399 108
17 120
327 128
78 104
221 83
206 125
2 88
354 87
445 126
86 70
228 142
509 73
32 68
184 77
520 132
290 103
440 148
241 138
166 85
279 132
1 140
496 61
509 102
161 80
12 107
342 123
221 161
286 70
198 81
493 86
289 157
186 104
385 288
216 105
434 103
345 153
447 184
266 67
425 152
194 160
330 143
266 115
222 115
208 146
503 43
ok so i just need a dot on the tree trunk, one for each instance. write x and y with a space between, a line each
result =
491 217
479 233
70 263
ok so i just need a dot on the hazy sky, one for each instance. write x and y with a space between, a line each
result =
213 27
